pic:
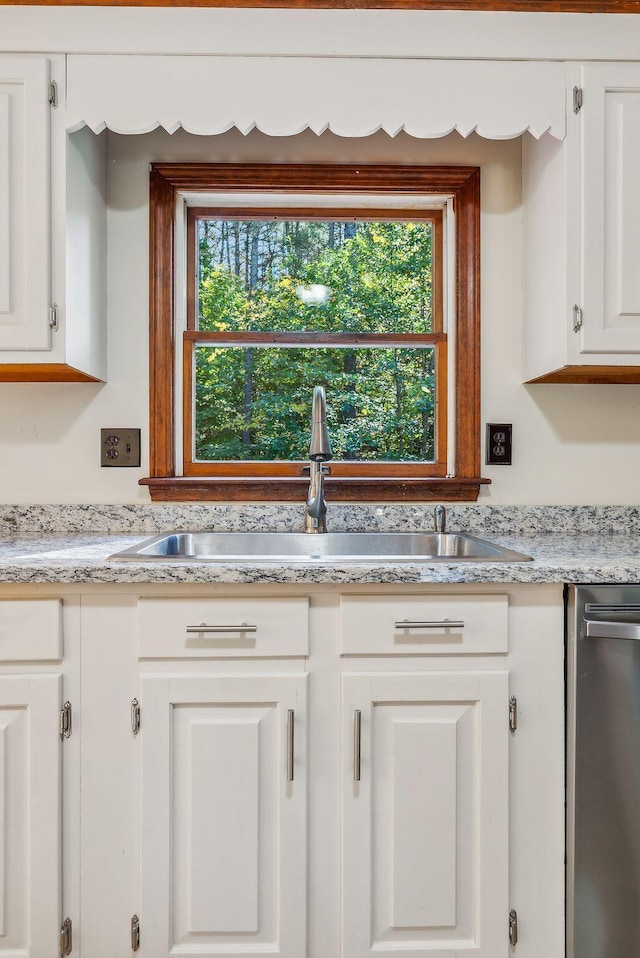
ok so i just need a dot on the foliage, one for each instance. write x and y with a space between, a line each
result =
254 402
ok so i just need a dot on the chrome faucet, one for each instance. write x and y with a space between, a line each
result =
315 514
440 519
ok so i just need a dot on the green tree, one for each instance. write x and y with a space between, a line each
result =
255 403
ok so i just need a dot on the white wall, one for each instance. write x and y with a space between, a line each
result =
572 444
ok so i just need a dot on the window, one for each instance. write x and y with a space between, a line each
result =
267 280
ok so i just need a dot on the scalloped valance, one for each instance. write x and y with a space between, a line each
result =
282 96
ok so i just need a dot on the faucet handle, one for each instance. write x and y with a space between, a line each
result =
440 519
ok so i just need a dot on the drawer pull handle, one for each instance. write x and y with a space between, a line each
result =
290 743
357 744
214 629
442 624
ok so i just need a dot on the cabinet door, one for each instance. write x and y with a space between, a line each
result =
223 816
24 203
610 119
29 815
425 830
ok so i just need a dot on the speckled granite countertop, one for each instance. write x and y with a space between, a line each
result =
72 544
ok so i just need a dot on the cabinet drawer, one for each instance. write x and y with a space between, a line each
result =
30 630
223 628
372 625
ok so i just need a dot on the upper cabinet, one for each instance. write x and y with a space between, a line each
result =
580 128
582 235
25 256
610 158
45 334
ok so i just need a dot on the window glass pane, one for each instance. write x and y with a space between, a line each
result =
254 403
316 276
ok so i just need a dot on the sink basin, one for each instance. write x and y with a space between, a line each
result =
328 547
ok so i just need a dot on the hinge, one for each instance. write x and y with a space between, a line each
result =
135 716
577 318
65 721
577 99
66 937
513 927
513 713
135 933
53 317
53 94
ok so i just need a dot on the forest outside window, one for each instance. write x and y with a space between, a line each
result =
268 280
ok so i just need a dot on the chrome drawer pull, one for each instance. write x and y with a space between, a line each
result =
357 741
221 628
443 624
290 744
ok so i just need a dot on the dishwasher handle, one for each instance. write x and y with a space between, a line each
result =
612 630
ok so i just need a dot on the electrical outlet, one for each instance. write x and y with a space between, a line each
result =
119 447
498 451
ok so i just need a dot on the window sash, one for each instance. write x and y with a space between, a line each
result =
311 214
339 468
194 337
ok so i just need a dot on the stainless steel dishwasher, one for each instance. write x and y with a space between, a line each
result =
603 771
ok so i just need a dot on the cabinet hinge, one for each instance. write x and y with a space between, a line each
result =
66 937
577 99
513 927
53 94
135 933
513 713
65 721
577 318
135 716
53 317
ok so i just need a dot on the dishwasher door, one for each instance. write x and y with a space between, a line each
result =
603 772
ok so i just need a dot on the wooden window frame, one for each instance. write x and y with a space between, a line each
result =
282 481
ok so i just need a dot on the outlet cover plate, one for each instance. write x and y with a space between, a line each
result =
119 447
498 446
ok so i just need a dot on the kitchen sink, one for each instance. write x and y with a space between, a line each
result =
327 547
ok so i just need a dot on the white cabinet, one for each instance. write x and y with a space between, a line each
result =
341 781
425 828
30 815
610 154
25 203
52 225
30 777
223 768
425 774
581 234
223 837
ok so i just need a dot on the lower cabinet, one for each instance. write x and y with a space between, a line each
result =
224 815
425 815
30 815
35 633
291 775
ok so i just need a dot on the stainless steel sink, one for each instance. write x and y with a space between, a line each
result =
328 547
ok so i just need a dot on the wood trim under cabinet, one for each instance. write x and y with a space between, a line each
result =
194 489
594 375
43 373
522 6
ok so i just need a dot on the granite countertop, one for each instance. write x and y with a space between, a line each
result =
73 543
